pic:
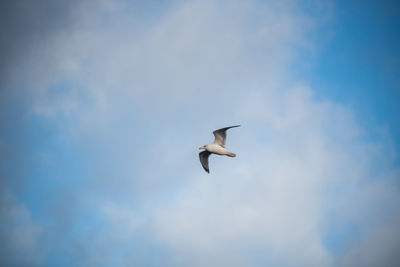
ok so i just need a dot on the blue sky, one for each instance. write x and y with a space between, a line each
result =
104 106
359 60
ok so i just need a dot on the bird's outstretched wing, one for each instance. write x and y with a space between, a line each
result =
203 155
220 135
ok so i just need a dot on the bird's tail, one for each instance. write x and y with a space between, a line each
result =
232 155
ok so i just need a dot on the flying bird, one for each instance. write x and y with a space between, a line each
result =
218 147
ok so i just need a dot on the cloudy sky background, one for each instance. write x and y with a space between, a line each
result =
104 105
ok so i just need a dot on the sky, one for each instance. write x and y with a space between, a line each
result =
103 106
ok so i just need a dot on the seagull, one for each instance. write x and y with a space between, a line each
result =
218 147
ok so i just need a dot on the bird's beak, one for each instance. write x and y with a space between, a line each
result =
203 147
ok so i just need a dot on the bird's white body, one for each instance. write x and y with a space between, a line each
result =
217 149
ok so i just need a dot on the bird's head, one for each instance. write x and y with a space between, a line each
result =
203 147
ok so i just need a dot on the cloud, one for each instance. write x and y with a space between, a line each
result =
133 94
179 55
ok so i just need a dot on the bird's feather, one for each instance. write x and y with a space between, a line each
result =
204 159
220 135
